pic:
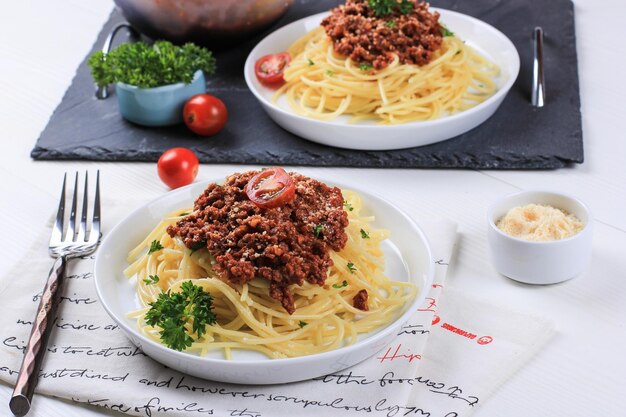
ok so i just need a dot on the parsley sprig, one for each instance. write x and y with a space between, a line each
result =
351 267
364 234
318 230
151 280
146 66
342 285
446 32
386 7
172 311
155 246
348 206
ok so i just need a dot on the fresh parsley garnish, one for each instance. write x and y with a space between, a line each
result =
386 7
172 311
351 267
185 213
318 229
364 234
348 206
152 279
342 285
146 66
365 66
311 63
446 32
198 247
155 246
302 323
330 73
390 23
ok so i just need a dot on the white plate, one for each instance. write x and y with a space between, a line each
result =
486 39
408 258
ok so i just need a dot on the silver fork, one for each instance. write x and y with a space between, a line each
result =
63 246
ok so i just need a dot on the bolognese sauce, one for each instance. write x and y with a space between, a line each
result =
285 245
356 31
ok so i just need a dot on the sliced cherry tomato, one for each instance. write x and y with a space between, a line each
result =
178 167
269 69
205 114
271 188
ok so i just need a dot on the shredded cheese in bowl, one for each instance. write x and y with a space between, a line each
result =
537 222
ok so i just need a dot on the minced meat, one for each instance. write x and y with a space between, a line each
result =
357 32
360 300
285 245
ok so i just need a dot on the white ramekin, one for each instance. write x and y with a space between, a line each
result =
533 262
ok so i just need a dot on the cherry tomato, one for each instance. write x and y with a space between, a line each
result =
271 188
177 167
269 69
205 114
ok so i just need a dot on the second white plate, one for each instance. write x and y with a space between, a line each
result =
486 39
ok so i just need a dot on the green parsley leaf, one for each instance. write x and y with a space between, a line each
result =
147 66
173 311
311 63
390 23
302 323
342 285
446 32
405 7
152 279
318 229
387 7
185 213
198 247
348 206
365 66
351 267
330 73
155 246
364 234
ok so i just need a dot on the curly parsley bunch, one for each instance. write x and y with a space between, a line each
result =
181 314
147 66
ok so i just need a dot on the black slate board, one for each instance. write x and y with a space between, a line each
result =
516 137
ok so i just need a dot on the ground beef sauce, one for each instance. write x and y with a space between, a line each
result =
357 32
277 244
360 300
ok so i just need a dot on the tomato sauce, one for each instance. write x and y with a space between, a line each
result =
285 245
357 32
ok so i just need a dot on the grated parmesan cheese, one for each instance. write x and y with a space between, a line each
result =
539 223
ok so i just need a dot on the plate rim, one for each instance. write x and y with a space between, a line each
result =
183 356
502 91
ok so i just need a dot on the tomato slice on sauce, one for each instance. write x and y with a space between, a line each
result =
271 188
269 69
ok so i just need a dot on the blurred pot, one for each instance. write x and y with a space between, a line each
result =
210 23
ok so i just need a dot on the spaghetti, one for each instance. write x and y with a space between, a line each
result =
249 318
324 84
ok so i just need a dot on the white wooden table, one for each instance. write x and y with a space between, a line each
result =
582 371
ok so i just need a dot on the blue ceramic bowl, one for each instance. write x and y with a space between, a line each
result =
157 106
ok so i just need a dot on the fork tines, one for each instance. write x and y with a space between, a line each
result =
66 233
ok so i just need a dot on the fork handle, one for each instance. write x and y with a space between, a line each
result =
38 340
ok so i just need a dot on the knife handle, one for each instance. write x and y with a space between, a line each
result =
539 83
38 340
